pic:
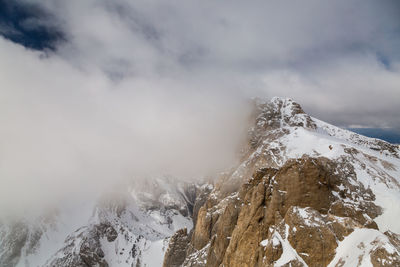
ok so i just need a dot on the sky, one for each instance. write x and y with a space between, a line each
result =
104 88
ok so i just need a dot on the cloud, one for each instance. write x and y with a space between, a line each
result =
352 90
153 87
339 59
67 132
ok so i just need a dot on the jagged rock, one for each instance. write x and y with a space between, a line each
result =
85 249
202 194
394 238
280 202
273 250
176 252
269 198
276 113
381 257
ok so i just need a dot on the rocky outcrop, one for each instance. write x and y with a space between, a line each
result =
292 208
176 252
275 114
84 248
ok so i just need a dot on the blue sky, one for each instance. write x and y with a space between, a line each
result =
14 25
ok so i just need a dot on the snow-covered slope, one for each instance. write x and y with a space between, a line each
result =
127 227
376 162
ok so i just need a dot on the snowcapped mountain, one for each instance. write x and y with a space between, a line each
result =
306 193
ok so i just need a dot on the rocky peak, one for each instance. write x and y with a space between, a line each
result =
281 112
277 114
304 193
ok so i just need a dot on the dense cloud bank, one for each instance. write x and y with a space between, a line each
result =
152 87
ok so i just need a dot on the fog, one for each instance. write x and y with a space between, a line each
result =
70 133
149 88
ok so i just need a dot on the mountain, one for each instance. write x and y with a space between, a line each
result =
305 193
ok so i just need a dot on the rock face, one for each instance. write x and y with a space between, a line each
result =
306 194
176 252
294 206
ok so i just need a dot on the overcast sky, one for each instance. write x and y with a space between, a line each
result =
339 59
96 83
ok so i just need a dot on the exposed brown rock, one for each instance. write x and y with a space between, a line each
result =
176 252
313 238
394 238
273 251
267 199
380 257
202 231
301 203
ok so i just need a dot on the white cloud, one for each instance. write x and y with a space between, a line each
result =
161 87
65 131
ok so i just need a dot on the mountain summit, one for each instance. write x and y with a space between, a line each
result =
306 193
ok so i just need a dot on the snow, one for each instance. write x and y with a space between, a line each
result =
355 249
309 219
199 257
386 192
288 253
384 182
119 252
153 256
275 241
376 169
139 228
66 221
264 243
389 200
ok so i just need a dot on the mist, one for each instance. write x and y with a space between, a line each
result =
149 88
71 133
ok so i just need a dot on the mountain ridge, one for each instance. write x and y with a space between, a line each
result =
302 184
